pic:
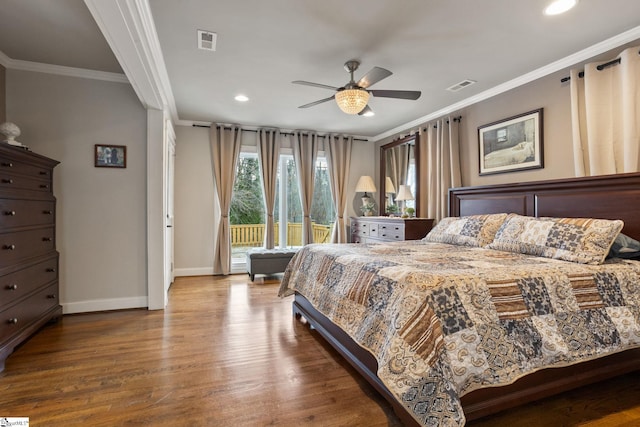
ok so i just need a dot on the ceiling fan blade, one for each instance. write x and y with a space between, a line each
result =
311 104
366 110
302 82
400 94
373 76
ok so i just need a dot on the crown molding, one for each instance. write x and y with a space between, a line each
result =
569 61
128 27
4 60
38 67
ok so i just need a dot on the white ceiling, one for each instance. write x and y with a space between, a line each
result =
429 45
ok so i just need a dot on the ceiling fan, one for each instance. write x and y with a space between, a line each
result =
353 97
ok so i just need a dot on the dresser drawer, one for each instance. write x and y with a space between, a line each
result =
10 168
17 213
21 315
20 245
23 182
16 285
391 231
360 229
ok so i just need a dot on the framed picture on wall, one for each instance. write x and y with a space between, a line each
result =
511 144
110 156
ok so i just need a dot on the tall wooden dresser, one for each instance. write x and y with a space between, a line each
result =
367 229
28 256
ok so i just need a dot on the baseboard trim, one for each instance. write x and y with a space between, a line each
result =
207 271
104 305
200 271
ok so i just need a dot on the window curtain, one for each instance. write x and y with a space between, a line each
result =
439 166
338 151
305 152
268 156
605 115
225 150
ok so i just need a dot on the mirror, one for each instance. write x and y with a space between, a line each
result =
399 165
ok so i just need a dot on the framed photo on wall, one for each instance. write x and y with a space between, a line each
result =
511 144
110 156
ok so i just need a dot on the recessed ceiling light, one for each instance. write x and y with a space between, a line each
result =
241 98
369 113
559 6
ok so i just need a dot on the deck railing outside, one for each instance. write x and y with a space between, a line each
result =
252 235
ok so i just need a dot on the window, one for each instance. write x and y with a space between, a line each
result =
289 208
247 214
323 212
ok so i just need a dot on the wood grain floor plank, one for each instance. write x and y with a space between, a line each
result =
228 352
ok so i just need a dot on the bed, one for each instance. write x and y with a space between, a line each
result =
459 367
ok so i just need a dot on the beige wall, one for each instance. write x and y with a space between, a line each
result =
195 209
101 213
194 202
547 93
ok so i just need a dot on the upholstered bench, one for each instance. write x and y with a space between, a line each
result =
268 261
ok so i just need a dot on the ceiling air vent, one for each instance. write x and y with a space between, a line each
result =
456 87
207 40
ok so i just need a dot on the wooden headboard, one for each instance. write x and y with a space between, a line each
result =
606 196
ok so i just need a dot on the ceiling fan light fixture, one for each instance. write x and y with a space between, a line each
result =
352 101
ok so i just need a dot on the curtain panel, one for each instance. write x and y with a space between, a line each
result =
225 150
305 153
268 157
338 151
605 116
439 165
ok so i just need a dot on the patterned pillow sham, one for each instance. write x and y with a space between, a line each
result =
581 240
472 230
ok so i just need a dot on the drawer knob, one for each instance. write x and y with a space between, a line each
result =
7 181
7 164
51 270
47 239
13 321
10 213
9 247
44 185
12 287
51 296
48 212
43 172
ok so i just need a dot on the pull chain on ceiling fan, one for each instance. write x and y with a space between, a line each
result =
353 98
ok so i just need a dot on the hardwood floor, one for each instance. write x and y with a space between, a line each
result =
228 352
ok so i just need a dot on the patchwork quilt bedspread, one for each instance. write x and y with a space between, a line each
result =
444 320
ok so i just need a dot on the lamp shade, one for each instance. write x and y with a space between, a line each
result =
404 193
352 101
388 186
365 183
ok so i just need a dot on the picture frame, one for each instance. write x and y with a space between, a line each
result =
110 156
512 144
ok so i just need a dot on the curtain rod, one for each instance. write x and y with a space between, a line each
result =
599 68
455 119
281 133
435 126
